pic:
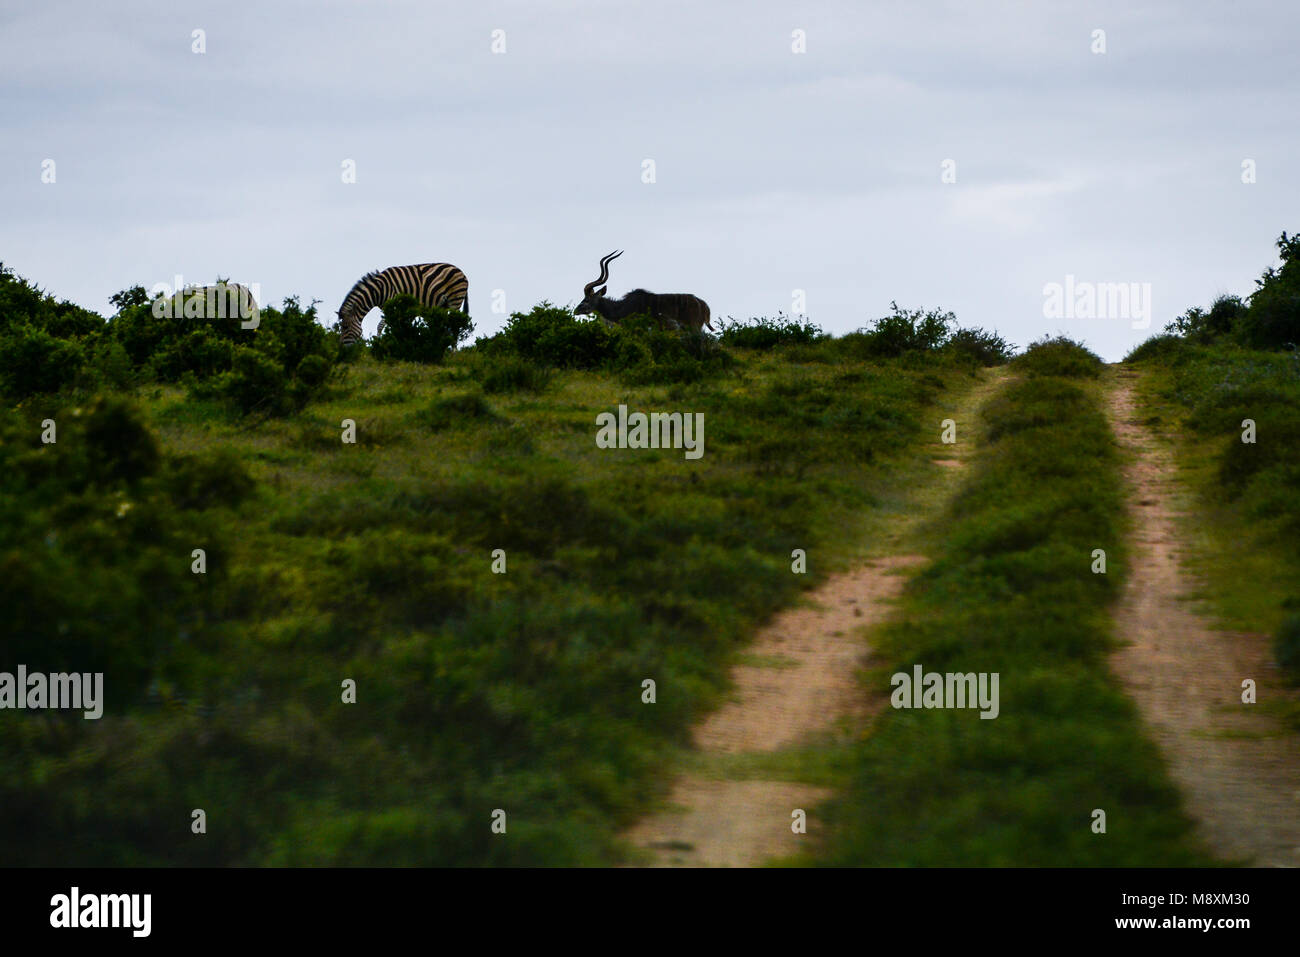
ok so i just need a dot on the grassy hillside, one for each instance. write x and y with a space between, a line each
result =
1244 534
1223 385
372 561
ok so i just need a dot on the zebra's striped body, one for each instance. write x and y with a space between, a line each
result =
434 284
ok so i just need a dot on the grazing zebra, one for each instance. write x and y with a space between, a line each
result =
675 310
434 284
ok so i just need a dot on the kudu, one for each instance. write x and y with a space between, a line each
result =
678 310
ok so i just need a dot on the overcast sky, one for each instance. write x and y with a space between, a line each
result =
774 171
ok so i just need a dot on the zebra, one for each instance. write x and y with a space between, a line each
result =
677 310
434 284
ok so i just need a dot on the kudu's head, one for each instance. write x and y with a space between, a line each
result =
591 296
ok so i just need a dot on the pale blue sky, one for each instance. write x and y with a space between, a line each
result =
775 171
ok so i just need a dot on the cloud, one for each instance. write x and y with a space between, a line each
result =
775 170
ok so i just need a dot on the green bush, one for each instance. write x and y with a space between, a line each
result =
312 370
255 383
1273 319
1163 348
637 349
979 346
166 343
274 367
1197 325
23 304
200 351
552 336
904 330
33 362
273 370
47 346
649 355
1268 319
414 332
110 366
765 333
95 554
120 444
1059 356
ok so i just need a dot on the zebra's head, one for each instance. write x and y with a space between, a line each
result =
347 321
591 296
350 315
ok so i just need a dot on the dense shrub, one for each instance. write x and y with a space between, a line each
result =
766 333
94 550
415 332
1165 347
980 346
553 336
254 383
119 443
650 355
1273 319
637 348
168 337
919 334
273 367
23 304
200 351
906 330
1059 356
45 343
273 370
1268 319
32 361
1199 325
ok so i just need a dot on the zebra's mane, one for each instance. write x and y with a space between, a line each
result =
357 289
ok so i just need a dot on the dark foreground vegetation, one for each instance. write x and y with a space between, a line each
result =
200 532
1206 379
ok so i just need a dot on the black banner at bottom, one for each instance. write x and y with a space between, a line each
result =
333 907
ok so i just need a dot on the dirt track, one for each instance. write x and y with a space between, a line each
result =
801 681
1237 767
805 683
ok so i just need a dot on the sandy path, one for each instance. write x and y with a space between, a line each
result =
800 680
804 682
1238 768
